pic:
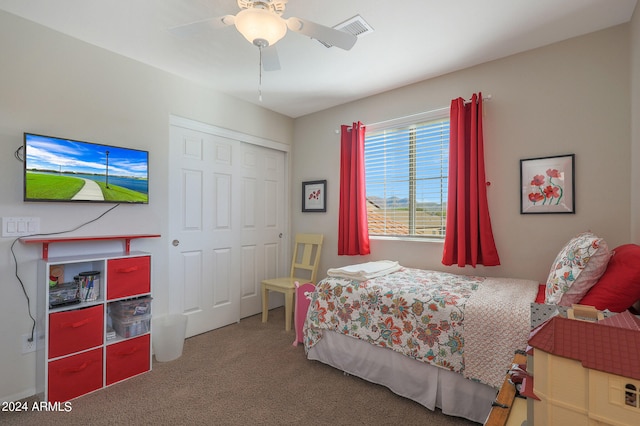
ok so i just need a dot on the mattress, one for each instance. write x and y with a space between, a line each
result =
423 383
465 324
443 340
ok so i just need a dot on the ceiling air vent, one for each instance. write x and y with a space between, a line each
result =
356 26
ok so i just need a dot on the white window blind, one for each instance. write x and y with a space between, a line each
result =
406 169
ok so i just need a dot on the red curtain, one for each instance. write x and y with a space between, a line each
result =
353 231
469 238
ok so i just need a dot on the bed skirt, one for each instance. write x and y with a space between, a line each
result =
425 384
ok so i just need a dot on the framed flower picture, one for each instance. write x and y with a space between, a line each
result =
314 196
547 185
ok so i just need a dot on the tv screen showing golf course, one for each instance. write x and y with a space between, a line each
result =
57 169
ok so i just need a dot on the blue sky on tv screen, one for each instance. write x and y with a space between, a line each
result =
61 155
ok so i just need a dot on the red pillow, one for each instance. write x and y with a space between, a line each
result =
619 286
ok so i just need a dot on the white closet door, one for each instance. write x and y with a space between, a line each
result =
226 216
263 212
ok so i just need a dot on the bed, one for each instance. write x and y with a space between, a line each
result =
441 339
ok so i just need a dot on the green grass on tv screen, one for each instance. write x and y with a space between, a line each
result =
40 186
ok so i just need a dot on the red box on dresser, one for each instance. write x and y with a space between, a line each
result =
75 375
75 330
128 276
128 358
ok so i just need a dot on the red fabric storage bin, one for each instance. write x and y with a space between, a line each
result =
128 358
128 277
75 375
76 330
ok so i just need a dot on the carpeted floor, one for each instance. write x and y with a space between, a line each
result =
245 373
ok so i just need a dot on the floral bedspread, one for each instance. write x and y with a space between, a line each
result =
416 312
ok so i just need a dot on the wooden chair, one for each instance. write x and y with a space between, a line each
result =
306 257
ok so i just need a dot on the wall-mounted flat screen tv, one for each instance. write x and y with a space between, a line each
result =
65 170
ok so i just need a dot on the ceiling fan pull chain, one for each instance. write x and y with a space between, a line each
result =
260 75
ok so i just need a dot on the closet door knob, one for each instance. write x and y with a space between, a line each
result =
175 243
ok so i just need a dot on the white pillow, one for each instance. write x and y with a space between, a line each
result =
578 266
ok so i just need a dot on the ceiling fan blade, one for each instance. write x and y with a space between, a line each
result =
193 28
270 61
327 35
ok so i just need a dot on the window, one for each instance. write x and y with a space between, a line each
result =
406 167
631 395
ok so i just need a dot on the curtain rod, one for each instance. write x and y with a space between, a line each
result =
484 98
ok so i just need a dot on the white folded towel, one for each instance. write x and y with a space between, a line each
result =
365 271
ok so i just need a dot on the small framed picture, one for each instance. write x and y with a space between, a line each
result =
314 196
547 185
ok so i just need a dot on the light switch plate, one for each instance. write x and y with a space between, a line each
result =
20 226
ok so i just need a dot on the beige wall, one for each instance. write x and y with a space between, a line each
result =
55 85
635 126
570 97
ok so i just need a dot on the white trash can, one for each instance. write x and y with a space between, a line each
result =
168 336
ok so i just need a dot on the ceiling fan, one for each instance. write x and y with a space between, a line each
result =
261 23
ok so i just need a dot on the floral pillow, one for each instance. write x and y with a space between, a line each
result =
578 266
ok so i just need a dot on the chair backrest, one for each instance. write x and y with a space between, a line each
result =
306 254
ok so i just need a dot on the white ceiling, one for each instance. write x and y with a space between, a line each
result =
413 40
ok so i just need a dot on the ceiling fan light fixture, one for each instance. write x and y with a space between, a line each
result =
259 26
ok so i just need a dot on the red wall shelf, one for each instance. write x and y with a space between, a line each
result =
46 241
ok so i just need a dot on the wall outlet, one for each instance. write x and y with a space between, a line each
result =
28 346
